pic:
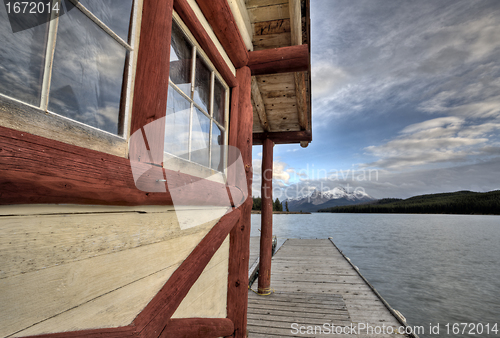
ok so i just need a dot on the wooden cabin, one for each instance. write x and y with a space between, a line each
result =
118 214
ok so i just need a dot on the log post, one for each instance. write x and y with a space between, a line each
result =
239 241
153 65
266 236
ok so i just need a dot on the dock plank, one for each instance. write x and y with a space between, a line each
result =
314 285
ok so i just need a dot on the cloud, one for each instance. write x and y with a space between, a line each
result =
328 79
439 123
376 56
445 139
442 103
409 88
282 173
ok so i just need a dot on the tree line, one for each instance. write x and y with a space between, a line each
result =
277 205
461 202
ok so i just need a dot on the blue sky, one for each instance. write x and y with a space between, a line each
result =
406 90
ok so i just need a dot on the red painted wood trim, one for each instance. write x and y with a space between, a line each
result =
219 16
239 247
266 236
34 169
119 332
198 328
153 64
283 137
189 17
233 133
233 117
279 60
155 316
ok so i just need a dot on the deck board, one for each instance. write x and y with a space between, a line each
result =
254 249
314 284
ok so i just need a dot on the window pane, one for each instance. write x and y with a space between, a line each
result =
177 124
22 58
181 53
219 102
87 75
115 14
199 138
202 84
217 148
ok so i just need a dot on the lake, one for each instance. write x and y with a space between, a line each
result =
432 268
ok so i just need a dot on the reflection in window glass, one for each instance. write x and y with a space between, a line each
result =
177 124
88 73
202 84
22 58
115 14
217 150
200 138
180 60
219 102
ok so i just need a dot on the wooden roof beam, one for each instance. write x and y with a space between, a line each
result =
279 60
295 21
218 13
186 13
242 19
259 106
300 78
283 137
301 94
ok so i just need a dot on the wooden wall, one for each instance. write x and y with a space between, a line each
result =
74 267
67 268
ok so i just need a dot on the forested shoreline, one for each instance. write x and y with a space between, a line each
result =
461 202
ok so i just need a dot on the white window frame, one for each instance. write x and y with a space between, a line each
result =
130 63
197 51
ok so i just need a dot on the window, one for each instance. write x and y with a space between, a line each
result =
75 65
197 104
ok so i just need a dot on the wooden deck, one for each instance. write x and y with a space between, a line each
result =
315 284
253 261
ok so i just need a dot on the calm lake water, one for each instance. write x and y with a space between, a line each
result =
433 268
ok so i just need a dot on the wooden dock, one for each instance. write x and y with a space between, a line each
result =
317 289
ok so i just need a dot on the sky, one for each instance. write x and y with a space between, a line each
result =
406 100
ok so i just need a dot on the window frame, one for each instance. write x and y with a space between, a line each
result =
197 52
125 106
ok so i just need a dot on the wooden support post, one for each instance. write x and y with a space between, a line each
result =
153 65
266 235
239 245
233 118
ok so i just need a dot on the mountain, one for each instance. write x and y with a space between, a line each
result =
460 202
317 199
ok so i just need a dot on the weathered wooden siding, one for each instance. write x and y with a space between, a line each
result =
208 296
81 267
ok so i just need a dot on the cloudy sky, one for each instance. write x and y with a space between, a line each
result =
406 99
